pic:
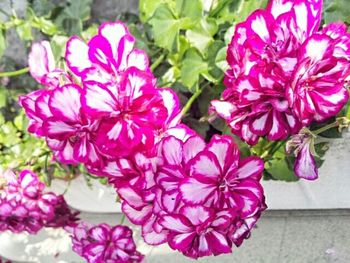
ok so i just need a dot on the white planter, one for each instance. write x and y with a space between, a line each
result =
96 198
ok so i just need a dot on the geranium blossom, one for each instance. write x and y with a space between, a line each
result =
96 121
42 65
106 55
317 90
25 207
218 178
197 231
301 145
284 73
130 112
215 196
103 243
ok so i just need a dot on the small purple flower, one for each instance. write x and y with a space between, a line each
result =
302 146
103 243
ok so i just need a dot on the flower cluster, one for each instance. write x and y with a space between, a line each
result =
102 243
107 105
284 72
25 207
107 113
200 198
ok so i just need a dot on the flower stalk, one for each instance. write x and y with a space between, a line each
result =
14 73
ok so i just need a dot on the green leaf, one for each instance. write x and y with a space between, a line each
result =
44 25
279 170
220 59
192 9
175 59
167 22
213 69
25 31
281 167
336 10
171 75
79 9
147 8
2 43
201 36
246 7
141 40
193 66
43 7
166 28
72 17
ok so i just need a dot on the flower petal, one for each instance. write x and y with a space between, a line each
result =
305 164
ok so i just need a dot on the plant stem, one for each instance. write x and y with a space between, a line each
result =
190 102
14 73
122 220
156 63
325 128
271 148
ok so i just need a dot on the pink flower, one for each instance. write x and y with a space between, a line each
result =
197 231
28 102
317 90
25 207
131 112
277 81
70 133
42 65
103 243
257 107
218 178
107 54
110 108
302 146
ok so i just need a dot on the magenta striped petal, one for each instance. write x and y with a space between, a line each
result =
250 167
41 61
77 56
176 223
197 214
195 192
206 165
97 100
192 147
65 103
139 59
137 217
218 243
172 151
305 164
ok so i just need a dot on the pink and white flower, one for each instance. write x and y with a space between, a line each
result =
218 178
284 73
42 65
302 146
197 231
25 207
103 243
107 54
69 132
317 90
131 112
